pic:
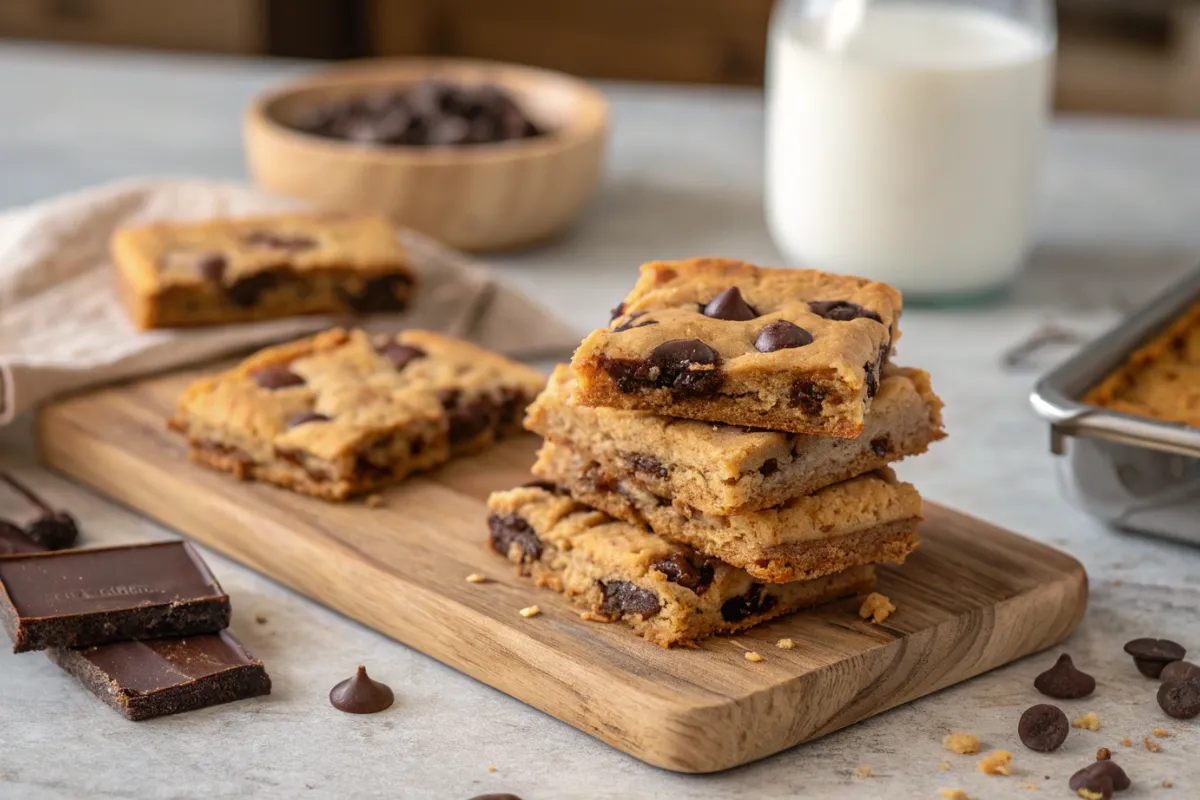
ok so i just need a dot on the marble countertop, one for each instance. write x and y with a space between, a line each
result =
1118 218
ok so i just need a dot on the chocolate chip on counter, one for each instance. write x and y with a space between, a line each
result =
245 292
647 465
673 365
279 241
624 597
360 694
769 467
211 266
1064 682
1100 777
1179 670
695 573
381 293
842 311
306 416
510 529
1152 655
1043 728
730 305
276 376
807 396
881 446
629 324
781 335
752 603
1181 698
401 355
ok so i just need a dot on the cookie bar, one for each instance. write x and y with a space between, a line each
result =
240 270
1160 380
342 413
866 520
723 469
725 341
667 592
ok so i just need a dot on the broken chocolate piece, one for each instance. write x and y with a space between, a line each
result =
684 571
1100 777
506 531
53 530
685 366
624 597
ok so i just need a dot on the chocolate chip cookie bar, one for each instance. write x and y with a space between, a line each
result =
722 340
721 469
866 520
342 413
241 270
667 592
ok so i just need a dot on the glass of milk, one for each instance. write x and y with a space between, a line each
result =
903 138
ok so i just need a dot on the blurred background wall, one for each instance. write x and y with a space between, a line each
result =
1138 57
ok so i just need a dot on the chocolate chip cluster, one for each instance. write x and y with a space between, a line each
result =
430 113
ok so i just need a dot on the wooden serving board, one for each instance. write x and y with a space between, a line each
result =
972 598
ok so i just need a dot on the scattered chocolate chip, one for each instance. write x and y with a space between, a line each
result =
1043 728
1151 655
769 467
695 573
361 695
276 376
306 416
1101 777
633 318
881 446
781 335
1178 671
401 355
245 292
752 603
842 311
381 293
53 529
807 396
279 241
211 266
647 465
1180 699
685 366
729 305
505 531
624 597
1064 682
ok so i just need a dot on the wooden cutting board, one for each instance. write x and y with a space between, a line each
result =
972 598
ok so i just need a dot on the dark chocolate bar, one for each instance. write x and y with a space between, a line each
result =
78 598
13 540
158 677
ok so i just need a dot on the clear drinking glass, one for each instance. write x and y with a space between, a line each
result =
903 138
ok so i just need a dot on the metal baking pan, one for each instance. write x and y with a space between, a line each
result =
1132 472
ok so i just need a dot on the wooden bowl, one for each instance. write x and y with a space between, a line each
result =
474 197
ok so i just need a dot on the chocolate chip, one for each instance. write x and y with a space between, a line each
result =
729 305
881 446
279 241
510 529
307 416
1043 728
1151 655
842 311
752 603
624 597
401 355
769 467
245 292
361 695
695 573
629 323
211 266
807 396
1101 777
546 486
472 419
276 376
1179 670
618 311
872 372
381 293
1180 699
647 465
781 335
1064 682
685 366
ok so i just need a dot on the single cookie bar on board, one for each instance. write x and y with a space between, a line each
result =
725 469
722 340
667 592
342 413
866 520
240 270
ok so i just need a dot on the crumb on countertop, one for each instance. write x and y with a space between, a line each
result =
475 577
1126 742
1103 754
1160 733
753 656
1089 722
491 768
996 763
530 611
944 766
1151 745
1166 784
374 501
961 743
876 607
954 794
785 644
864 771
1029 787
261 619
1088 794
592 616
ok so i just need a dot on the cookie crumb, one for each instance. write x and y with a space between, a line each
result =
944 766
261 619
995 763
1088 794
1160 733
785 644
530 611
1126 743
475 577
1166 784
491 768
1029 787
591 616
864 771
954 794
962 743
1151 745
753 656
374 500
1089 722
1103 754
877 607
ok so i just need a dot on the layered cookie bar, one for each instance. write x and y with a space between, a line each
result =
866 520
721 469
239 270
667 592
722 340
342 412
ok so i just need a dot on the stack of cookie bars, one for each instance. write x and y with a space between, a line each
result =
718 456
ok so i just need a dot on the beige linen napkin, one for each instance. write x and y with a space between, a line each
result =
62 329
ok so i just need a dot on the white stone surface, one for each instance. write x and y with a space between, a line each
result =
1120 217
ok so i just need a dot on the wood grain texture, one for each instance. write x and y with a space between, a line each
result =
972 598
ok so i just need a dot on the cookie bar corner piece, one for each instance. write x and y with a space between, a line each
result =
726 341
